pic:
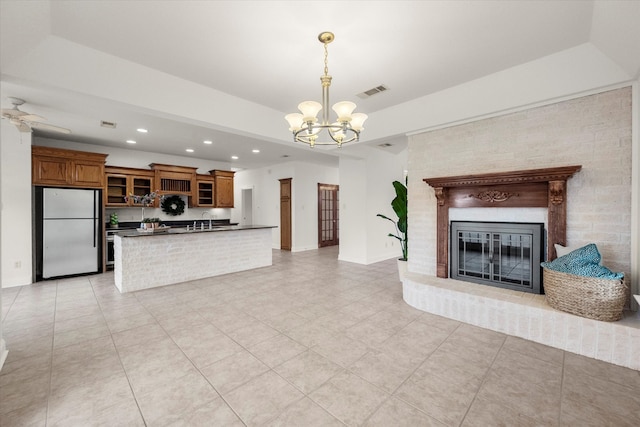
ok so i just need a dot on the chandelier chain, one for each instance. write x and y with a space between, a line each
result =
326 60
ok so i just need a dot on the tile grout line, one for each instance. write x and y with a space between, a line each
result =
484 379
118 354
564 357
53 340
392 394
193 363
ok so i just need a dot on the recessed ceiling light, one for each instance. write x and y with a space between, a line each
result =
255 151
234 157
208 142
141 130
189 150
130 141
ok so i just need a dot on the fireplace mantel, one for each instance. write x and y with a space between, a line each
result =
514 189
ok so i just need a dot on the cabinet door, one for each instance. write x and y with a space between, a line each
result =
139 186
50 171
87 174
117 190
204 196
224 192
67 168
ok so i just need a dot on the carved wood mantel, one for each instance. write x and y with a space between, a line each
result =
531 188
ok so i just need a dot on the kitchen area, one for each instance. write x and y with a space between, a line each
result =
78 204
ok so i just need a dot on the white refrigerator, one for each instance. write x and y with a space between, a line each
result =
71 231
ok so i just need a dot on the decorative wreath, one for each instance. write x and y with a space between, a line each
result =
173 205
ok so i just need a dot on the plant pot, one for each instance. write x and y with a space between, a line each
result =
113 225
402 268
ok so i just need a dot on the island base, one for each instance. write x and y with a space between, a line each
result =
143 263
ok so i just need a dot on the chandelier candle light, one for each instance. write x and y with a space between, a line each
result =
305 126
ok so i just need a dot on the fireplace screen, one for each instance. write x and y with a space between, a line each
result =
505 255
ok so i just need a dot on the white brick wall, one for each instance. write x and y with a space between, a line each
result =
527 316
150 261
593 131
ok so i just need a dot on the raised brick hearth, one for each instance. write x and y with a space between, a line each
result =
527 316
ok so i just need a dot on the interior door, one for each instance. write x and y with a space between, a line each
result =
285 214
247 206
328 221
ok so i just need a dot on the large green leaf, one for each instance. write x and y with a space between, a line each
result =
399 205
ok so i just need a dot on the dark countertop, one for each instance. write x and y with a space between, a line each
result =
123 226
183 230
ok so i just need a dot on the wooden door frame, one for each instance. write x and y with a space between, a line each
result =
286 244
335 188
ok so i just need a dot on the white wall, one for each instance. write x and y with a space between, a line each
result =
305 202
266 195
353 208
266 199
15 179
365 190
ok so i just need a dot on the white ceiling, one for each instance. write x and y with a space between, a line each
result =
266 54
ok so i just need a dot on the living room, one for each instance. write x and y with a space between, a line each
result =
576 104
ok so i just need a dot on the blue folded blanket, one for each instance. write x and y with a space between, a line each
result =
584 261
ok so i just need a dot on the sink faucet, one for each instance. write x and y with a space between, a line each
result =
207 213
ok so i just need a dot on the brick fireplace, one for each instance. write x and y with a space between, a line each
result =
593 131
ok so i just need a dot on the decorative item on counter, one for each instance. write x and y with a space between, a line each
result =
148 223
144 200
173 205
113 220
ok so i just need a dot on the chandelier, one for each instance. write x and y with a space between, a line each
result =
305 126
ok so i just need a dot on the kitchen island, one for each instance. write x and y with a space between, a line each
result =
150 259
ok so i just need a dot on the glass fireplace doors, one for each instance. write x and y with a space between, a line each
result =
505 255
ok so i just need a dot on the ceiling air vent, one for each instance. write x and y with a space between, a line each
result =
106 124
373 91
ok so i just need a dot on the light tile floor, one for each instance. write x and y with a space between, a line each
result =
310 341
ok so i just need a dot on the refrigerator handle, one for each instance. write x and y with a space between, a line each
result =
95 227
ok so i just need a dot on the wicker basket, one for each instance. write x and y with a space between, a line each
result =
590 297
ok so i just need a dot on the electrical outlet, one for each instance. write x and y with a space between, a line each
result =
18 264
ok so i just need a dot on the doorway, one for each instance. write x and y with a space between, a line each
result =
328 221
247 206
285 214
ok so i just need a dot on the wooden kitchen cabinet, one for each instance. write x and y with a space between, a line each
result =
67 168
174 179
205 191
122 182
223 188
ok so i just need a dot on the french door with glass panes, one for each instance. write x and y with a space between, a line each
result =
328 224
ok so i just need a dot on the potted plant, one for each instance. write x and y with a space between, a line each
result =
150 223
113 220
399 205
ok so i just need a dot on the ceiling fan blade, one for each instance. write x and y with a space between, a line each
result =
33 118
22 127
12 112
52 128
